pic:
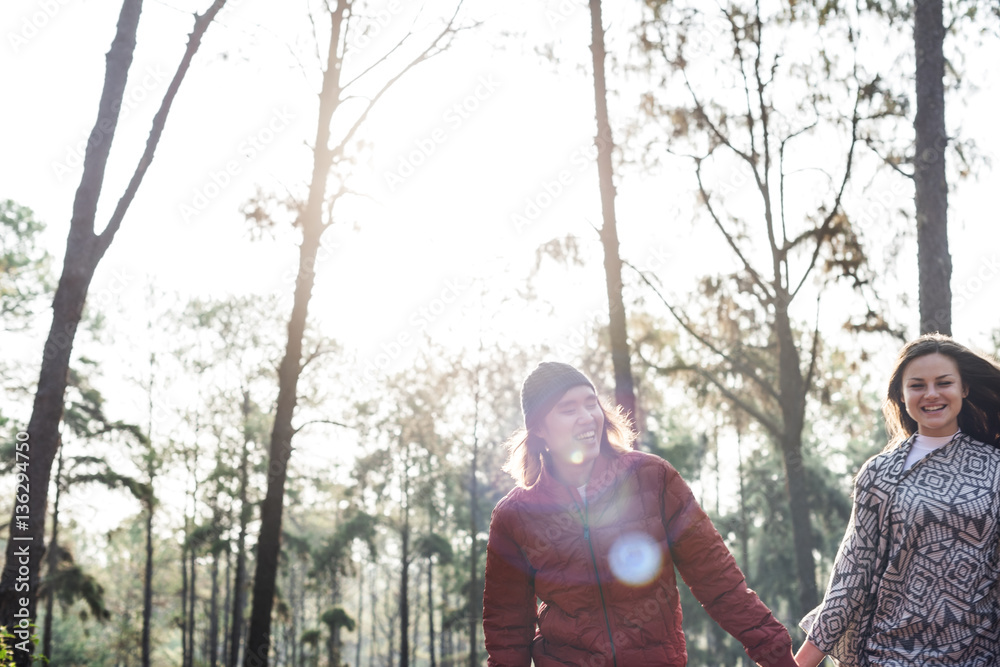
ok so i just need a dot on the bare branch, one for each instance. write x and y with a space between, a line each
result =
723 139
324 421
823 230
735 29
319 57
740 367
771 425
781 186
378 62
201 24
870 143
763 183
432 49
725 232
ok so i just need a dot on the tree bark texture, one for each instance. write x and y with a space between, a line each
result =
792 390
53 562
930 182
620 357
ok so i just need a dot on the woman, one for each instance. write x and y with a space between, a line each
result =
917 578
593 531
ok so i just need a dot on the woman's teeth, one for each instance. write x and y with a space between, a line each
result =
589 435
936 408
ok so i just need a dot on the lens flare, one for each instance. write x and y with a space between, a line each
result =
576 456
635 559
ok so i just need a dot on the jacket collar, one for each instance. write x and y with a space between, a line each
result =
603 474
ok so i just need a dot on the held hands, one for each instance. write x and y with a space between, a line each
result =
809 655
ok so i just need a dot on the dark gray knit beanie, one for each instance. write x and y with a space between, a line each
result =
545 385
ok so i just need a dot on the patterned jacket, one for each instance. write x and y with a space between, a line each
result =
916 580
603 570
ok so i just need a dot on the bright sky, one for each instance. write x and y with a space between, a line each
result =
462 144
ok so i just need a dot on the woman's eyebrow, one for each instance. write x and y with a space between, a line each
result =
939 377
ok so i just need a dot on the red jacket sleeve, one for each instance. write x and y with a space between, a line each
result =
509 607
711 572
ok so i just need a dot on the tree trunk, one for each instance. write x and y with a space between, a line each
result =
404 577
311 223
147 584
620 357
361 609
193 592
373 641
239 585
193 555
447 659
184 598
930 182
793 404
84 250
213 626
430 609
475 592
53 562
225 605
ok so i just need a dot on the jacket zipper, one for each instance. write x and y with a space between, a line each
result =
597 575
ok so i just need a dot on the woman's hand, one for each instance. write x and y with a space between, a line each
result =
809 655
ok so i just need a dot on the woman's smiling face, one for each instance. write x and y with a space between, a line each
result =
933 393
572 429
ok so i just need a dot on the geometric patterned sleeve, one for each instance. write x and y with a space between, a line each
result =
839 625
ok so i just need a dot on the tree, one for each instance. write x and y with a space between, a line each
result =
747 342
230 344
23 266
332 559
620 356
85 420
922 158
84 250
929 179
332 161
335 619
429 546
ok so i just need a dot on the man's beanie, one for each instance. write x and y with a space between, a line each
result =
545 385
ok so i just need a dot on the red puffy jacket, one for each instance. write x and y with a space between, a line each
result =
603 570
